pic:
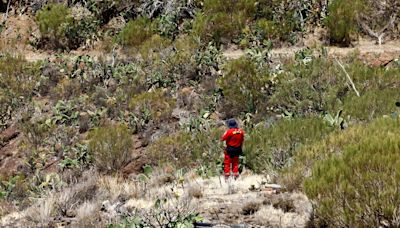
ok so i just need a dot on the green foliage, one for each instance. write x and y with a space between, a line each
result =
271 149
8 186
335 143
76 156
342 20
184 149
372 104
309 87
57 25
359 187
150 108
136 32
166 212
52 19
111 147
244 87
208 59
18 81
223 20
168 25
336 121
318 85
64 113
153 46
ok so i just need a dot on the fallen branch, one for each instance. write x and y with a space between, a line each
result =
348 76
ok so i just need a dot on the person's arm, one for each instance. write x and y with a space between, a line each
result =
225 136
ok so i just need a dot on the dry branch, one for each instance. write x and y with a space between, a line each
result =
348 76
381 33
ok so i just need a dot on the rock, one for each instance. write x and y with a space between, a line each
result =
379 60
135 167
8 134
79 13
116 23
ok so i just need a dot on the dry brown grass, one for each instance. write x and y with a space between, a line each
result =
114 186
195 191
251 207
43 211
88 211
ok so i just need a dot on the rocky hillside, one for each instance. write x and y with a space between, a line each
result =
111 113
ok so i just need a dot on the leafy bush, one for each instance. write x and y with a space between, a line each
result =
318 85
111 147
243 86
57 25
151 108
309 88
372 104
271 149
359 186
18 81
185 149
342 20
136 32
183 62
223 19
334 144
51 20
152 47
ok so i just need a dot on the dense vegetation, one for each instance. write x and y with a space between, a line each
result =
172 88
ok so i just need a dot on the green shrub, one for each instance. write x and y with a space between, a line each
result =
243 86
342 20
136 32
223 19
51 21
151 108
111 147
189 150
318 85
359 187
18 81
372 104
264 31
183 62
130 81
309 88
271 149
337 142
151 48
57 25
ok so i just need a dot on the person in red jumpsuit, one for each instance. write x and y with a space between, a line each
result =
234 138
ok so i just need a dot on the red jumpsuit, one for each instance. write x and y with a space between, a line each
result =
234 138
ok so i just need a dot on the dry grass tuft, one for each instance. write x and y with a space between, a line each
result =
251 207
87 211
115 187
195 192
268 216
43 211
